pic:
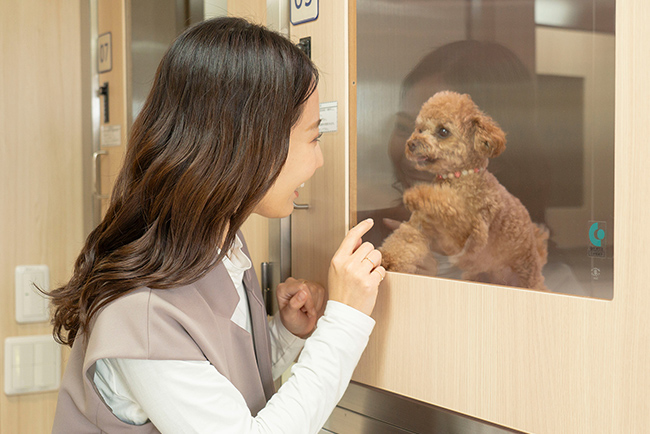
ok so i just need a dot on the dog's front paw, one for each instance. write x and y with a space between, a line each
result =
418 196
394 261
404 249
435 201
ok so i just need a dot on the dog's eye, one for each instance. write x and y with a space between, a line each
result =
443 132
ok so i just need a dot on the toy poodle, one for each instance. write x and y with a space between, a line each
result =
465 213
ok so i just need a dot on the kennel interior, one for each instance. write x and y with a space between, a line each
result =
544 70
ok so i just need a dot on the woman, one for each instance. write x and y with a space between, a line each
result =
163 312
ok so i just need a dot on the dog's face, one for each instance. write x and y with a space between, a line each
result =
452 134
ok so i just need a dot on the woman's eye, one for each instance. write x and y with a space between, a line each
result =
403 129
443 132
317 139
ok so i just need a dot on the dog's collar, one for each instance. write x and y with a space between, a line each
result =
458 173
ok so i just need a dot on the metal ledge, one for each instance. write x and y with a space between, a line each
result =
366 410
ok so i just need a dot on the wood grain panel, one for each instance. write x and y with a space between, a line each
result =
40 169
111 17
252 10
352 95
256 233
256 227
542 363
318 231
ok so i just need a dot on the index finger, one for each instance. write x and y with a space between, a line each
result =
353 237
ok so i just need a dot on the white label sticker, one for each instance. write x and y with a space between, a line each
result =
110 135
303 11
329 113
104 53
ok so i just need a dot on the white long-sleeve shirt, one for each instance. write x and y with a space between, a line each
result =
193 397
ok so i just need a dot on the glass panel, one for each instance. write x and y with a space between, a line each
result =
543 72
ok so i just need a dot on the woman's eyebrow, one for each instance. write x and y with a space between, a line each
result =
403 116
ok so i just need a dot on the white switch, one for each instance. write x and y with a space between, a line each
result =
45 366
32 364
23 367
31 304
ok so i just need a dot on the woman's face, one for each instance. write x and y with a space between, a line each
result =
304 158
410 105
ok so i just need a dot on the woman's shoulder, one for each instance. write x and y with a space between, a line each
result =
150 323
211 295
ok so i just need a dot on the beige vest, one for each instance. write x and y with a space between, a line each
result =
186 323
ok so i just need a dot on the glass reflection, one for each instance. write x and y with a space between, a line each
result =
550 89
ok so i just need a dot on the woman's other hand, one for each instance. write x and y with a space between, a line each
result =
356 272
300 303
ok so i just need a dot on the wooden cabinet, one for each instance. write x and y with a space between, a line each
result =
537 362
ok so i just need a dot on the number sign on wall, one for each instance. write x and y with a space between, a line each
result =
104 53
303 11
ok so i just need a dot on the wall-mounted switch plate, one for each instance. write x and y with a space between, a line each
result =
32 364
31 304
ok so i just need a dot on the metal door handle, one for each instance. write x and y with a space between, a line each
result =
103 91
267 286
96 172
300 205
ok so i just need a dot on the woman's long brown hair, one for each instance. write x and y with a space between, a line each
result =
208 144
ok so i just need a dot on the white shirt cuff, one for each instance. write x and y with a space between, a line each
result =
285 346
342 312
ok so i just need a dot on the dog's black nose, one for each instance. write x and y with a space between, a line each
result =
413 144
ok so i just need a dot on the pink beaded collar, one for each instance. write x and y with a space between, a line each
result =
458 174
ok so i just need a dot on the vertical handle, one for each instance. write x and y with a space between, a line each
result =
266 283
285 248
97 193
103 91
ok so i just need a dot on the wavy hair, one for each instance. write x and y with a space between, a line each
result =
208 144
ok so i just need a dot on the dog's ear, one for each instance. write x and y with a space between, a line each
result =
489 139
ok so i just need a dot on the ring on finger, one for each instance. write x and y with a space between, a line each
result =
380 275
373 264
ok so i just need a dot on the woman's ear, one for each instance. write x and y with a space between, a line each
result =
489 139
